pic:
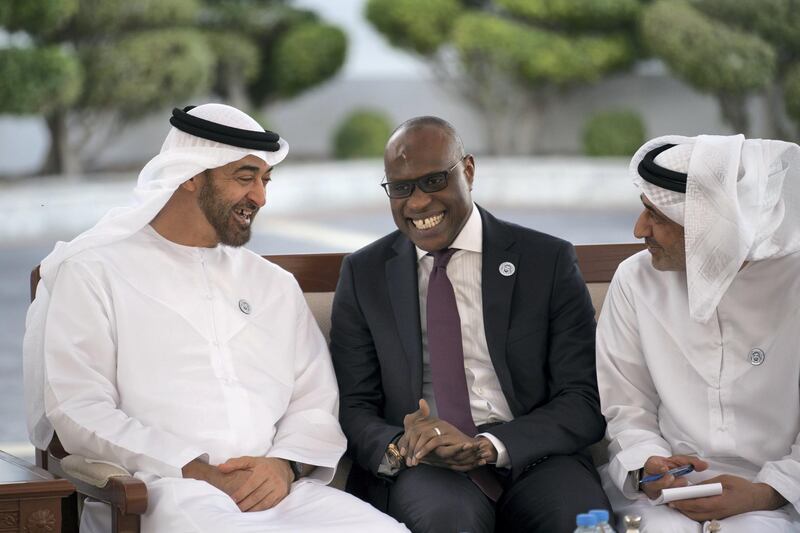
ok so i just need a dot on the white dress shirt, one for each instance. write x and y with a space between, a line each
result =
487 401
727 390
157 354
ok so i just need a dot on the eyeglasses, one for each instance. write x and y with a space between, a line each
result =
433 182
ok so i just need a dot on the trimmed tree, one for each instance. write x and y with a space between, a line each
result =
265 50
613 133
362 134
732 50
117 60
90 66
513 56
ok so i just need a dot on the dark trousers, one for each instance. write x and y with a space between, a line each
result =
544 499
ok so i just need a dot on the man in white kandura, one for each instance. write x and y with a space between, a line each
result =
698 344
157 343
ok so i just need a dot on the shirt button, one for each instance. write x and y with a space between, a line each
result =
215 343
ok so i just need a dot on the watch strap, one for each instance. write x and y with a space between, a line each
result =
297 470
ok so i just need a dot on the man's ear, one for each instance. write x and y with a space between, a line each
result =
195 182
469 169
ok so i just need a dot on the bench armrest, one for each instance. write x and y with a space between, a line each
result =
103 482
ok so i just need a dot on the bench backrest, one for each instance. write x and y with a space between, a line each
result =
317 275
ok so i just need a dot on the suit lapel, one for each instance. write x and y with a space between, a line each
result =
401 279
498 291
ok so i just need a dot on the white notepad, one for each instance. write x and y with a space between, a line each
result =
684 493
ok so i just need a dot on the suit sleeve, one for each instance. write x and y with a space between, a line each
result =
571 420
361 410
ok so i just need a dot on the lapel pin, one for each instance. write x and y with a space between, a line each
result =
244 307
507 269
757 356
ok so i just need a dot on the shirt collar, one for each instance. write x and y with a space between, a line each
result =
470 237
190 252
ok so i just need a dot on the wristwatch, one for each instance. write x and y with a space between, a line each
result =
393 455
636 477
297 470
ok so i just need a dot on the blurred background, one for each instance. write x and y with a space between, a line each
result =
552 97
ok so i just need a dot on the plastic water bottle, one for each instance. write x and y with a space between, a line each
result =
586 523
602 520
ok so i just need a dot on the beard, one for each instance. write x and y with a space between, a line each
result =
220 215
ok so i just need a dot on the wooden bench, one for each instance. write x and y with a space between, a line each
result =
317 275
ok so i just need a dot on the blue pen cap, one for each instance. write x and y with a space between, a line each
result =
585 520
600 514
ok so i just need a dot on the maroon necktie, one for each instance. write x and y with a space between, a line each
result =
447 363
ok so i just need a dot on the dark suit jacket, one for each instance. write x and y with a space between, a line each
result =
539 329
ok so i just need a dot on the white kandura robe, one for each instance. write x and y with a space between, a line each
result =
151 361
670 385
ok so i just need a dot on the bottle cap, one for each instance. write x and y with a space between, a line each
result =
600 514
632 520
585 520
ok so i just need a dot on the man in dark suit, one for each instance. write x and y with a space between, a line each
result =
464 350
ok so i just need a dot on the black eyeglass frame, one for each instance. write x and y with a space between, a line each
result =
421 181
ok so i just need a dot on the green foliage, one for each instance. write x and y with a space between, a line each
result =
37 17
109 17
37 80
613 133
513 54
706 53
291 49
775 21
234 53
126 78
791 92
252 17
575 14
537 56
307 55
362 134
124 58
419 25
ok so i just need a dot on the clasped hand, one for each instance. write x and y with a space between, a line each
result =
738 494
254 483
433 441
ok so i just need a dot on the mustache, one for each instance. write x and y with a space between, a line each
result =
652 243
247 205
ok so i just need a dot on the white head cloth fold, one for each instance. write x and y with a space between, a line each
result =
742 203
182 156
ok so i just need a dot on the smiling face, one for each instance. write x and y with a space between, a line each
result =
431 220
664 238
230 197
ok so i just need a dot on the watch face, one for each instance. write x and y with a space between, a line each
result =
296 469
394 456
